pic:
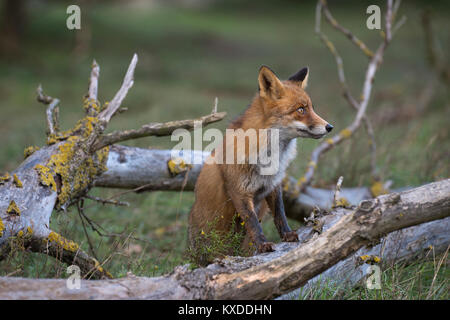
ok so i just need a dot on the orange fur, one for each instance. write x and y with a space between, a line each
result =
223 190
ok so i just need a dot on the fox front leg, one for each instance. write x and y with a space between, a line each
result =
275 203
245 208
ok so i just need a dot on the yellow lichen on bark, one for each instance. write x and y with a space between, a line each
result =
45 176
62 242
70 163
5 178
178 165
13 209
2 227
17 181
369 259
345 133
91 105
301 180
29 151
378 189
341 203
77 176
100 268
285 184
312 164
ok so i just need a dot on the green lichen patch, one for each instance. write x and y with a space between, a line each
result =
378 189
178 165
62 242
17 181
75 171
13 209
345 133
91 106
2 227
71 170
29 151
369 259
83 128
46 176
56 137
5 178
341 203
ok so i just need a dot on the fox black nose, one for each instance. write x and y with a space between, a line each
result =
329 127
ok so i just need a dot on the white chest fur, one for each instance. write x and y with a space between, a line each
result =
266 183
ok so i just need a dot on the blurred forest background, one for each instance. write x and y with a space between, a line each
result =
191 51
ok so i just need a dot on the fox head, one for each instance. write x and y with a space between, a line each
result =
288 107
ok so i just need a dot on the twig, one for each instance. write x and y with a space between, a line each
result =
14 272
388 21
216 102
106 201
400 23
357 42
80 210
93 81
337 192
66 251
115 103
52 110
103 233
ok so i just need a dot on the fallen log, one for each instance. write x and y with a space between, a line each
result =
148 170
268 275
403 246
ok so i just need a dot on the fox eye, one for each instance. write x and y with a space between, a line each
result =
301 110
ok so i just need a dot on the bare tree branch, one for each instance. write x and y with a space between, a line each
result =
337 191
357 42
106 201
52 110
93 81
345 89
156 129
115 103
389 21
346 133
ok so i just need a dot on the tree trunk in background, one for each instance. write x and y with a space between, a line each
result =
12 26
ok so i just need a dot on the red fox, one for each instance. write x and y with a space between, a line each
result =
224 190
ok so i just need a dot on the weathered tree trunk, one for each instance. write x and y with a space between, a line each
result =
147 169
268 275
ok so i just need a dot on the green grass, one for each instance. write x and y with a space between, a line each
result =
186 58
426 278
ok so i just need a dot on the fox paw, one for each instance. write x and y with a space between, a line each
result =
265 247
290 236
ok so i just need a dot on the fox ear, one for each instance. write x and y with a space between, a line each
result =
301 76
269 85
